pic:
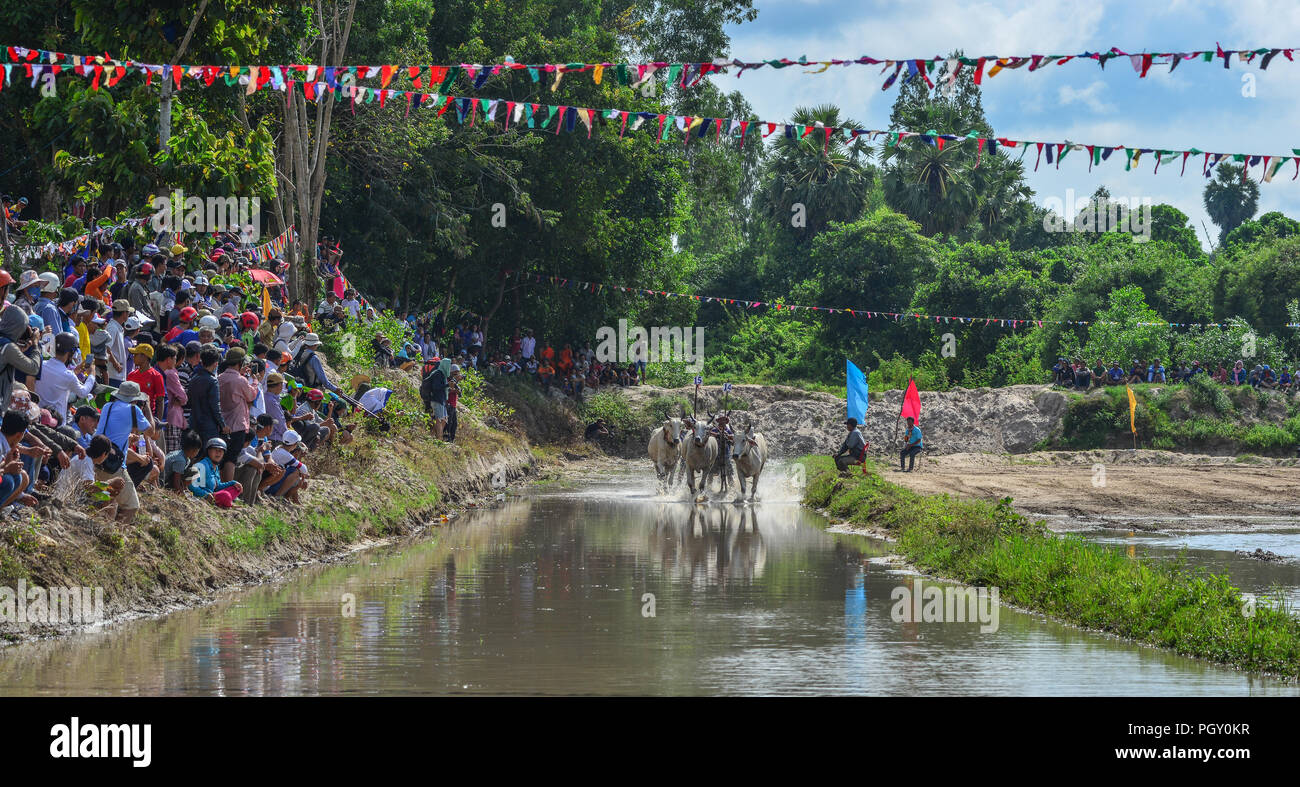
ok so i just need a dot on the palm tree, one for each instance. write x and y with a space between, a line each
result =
815 179
1004 195
1230 199
930 183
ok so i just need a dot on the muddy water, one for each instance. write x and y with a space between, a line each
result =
1277 580
551 594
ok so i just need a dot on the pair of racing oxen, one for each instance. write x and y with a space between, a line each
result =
696 445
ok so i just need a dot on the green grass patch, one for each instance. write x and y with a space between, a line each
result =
1188 610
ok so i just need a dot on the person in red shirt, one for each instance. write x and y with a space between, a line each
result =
148 378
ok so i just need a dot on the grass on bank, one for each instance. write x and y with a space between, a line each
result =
1197 415
1190 611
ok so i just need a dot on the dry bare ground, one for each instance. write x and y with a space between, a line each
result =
1146 490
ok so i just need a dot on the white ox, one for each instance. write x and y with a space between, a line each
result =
664 451
750 454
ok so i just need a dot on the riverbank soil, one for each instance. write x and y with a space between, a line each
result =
1142 490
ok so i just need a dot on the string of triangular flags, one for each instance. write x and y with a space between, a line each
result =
577 285
275 247
700 127
540 116
99 67
71 245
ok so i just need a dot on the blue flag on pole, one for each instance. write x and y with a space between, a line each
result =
857 391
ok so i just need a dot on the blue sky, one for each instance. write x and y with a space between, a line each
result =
1200 105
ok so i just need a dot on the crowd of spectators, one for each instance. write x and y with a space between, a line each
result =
1079 375
123 369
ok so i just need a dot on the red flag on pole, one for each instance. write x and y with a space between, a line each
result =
911 402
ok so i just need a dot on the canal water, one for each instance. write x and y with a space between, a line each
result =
602 588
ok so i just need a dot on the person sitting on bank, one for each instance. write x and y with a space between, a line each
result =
854 448
913 446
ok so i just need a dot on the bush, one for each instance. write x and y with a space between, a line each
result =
609 405
669 374
893 374
354 341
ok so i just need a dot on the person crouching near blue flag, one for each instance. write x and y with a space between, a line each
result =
854 448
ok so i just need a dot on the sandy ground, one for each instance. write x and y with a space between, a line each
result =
1143 490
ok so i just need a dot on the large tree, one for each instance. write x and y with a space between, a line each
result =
949 186
1230 199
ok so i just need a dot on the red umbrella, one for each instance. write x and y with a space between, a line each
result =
265 276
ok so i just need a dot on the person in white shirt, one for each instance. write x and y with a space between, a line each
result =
258 378
527 345
374 399
351 303
58 382
326 306
116 330
294 479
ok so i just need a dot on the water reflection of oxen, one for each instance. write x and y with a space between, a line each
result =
709 546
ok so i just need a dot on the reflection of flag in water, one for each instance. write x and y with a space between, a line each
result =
857 391
855 608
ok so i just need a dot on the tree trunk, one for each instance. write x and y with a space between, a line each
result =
306 148
487 318
446 302
165 93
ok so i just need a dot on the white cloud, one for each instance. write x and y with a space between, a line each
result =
1088 96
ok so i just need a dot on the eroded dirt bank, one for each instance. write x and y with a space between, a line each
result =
182 552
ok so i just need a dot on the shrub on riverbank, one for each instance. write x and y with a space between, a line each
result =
1201 415
1190 611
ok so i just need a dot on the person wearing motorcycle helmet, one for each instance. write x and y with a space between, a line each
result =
202 292
45 306
183 332
61 378
137 294
208 481
248 322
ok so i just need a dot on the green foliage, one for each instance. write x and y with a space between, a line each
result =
1238 340
1201 415
1127 329
1016 360
474 397
762 348
610 405
894 373
669 374
354 342
201 163
1230 199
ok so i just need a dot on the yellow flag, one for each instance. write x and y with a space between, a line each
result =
1132 409
266 301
